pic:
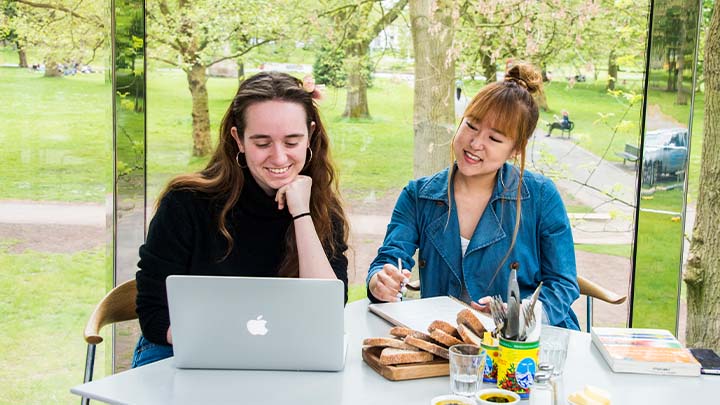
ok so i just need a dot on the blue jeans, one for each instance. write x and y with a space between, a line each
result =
147 352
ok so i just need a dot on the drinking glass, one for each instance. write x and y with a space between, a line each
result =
466 368
553 347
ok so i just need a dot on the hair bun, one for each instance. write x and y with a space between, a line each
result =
526 76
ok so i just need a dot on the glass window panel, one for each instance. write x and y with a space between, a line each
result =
54 167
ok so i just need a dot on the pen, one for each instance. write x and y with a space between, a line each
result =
403 289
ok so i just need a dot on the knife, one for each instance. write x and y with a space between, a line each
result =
512 329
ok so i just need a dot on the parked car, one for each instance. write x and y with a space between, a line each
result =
665 153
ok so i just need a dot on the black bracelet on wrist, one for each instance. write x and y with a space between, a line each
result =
304 214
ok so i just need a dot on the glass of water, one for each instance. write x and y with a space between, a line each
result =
466 368
554 347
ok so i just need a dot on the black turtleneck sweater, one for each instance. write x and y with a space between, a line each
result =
183 238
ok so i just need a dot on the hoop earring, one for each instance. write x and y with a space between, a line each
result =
501 180
311 156
237 159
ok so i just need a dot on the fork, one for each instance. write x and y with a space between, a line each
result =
497 310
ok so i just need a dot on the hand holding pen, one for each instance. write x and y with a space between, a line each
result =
389 284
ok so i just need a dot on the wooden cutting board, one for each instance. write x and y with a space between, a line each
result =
398 372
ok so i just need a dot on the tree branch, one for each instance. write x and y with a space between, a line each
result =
387 18
241 53
94 20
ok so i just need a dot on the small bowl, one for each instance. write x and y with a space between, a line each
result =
483 397
452 400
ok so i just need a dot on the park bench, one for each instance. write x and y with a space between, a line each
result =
563 130
631 153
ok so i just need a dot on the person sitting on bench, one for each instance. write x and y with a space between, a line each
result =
563 124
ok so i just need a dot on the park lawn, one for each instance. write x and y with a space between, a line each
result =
620 250
585 103
657 271
56 129
43 352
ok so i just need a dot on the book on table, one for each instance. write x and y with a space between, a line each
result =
644 351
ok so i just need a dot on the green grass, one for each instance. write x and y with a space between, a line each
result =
622 250
56 129
45 303
356 292
657 271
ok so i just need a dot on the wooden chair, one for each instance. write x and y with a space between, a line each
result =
592 290
587 288
117 306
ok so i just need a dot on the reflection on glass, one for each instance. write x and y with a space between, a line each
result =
664 164
129 158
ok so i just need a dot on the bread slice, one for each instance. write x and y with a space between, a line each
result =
467 317
444 338
388 342
443 326
391 355
428 347
468 336
401 332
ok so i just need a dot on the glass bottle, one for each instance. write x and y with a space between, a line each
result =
542 392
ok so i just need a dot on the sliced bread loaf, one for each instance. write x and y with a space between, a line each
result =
388 342
391 355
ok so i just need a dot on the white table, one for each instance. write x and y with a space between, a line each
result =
161 383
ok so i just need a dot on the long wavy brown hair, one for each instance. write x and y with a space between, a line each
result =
510 104
223 179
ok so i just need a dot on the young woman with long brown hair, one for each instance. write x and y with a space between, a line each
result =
266 205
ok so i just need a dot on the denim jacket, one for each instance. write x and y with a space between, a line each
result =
544 247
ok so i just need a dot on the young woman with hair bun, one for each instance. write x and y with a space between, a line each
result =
484 214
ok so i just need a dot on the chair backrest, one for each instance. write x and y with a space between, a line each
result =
117 306
593 290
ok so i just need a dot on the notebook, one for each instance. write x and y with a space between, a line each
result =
257 323
419 314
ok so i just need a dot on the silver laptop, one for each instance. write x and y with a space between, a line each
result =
257 323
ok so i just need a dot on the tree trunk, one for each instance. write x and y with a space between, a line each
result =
356 104
489 69
541 100
612 70
51 68
703 269
433 110
22 56
197 81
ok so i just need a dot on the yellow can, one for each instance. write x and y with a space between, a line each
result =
490 371
517 365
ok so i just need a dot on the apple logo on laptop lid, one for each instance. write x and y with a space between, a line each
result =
257 326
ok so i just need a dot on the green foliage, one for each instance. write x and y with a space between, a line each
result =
356 292
328 67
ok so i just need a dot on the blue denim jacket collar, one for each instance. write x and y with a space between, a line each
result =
505 186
